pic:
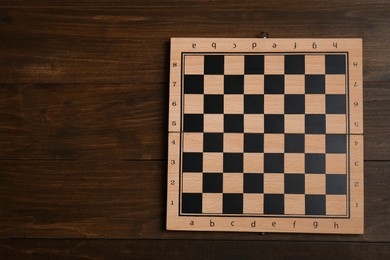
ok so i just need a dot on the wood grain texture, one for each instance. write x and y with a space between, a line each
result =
187 249
67 148
93 121
127 199
84 121
89 45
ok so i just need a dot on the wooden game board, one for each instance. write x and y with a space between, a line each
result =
265 135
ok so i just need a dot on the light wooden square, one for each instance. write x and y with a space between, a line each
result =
336 205
234 65
294 124
336 124
274 104
315 144
193 142
213 84
194 65
213 123
193 182
273 143
314 64
233 142
212 202
315 104
212 162
253 84
233 104
294 84
193 104
253 162
294 204
253 123
273 183
334 84
315 184
274 64
336 163
294 162
253 203
233 182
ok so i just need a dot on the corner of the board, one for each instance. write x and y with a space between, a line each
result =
168 226
175 40
360 40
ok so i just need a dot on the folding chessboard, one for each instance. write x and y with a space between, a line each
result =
265 135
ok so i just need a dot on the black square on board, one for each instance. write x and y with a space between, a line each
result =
193 123
193 84
253 143
294 183
335 64
254 64
315 84
213 104
336 184
212 142
315 163
273 162
273 123
336 143
233 162
192 162
273 204
273 84
315 205
212 182
191 202
234 84
254 104
214 64
294 143
232 203
315 124
294 104
233 123
335 104
253 182
294 64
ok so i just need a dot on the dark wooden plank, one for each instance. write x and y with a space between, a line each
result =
156 3
376 99
126 199
119 121
130 44
123 121
188 249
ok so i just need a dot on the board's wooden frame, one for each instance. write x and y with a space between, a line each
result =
352 225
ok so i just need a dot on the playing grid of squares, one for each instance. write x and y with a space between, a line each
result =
264 134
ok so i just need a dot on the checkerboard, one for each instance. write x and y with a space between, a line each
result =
265 135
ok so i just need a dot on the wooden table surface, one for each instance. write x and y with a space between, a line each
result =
83 125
